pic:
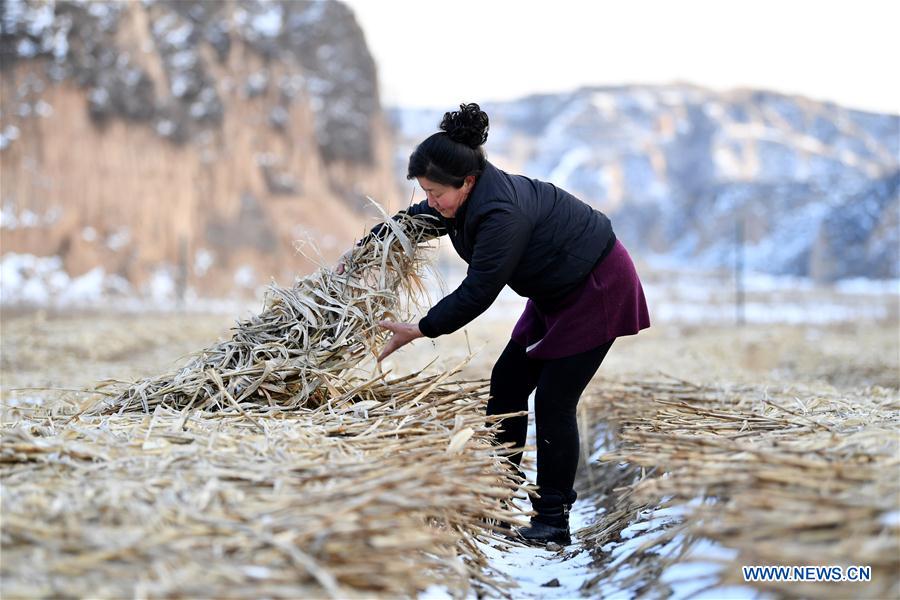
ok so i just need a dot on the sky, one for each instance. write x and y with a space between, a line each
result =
436 53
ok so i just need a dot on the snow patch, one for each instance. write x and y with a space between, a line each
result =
203 260
43 109
118 239
8 135
675 295
533 568
868 287
570 161
162 285
245 276
268 23
605 103
87 288
891 519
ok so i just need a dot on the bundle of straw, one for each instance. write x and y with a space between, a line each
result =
304 344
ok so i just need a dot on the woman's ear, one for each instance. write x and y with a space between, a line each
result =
470 179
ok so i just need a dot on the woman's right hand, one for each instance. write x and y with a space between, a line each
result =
404 333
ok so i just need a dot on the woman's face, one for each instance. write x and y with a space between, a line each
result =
446 199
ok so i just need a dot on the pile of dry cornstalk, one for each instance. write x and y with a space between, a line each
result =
771 477
271 465
306 344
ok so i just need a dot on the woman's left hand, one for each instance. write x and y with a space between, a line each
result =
404 333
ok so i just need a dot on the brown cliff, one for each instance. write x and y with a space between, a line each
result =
146 144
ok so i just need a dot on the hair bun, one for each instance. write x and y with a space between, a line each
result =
468 125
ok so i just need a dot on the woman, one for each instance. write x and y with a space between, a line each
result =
581 285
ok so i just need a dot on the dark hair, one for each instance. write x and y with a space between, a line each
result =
452 154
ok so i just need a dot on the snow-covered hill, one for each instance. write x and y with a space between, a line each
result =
814 186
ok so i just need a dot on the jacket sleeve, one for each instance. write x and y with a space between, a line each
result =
437 229
501 238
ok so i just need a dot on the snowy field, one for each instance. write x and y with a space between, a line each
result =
673 296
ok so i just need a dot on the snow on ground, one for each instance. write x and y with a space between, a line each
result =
688 578
700 297
42 282
696 297
680 297
534 568
542 573
531 568
698 570
538 573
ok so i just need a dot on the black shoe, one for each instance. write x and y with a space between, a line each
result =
542 534
551 523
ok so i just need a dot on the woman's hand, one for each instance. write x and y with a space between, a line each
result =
343 261
404 333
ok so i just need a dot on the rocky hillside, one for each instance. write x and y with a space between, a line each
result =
186 142
814 185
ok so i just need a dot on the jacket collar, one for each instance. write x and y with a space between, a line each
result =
479 193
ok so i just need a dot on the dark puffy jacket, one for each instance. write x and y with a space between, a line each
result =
528 234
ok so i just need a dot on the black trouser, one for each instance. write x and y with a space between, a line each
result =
559 384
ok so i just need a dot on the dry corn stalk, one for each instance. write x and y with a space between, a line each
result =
383 493
305 344
803 476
